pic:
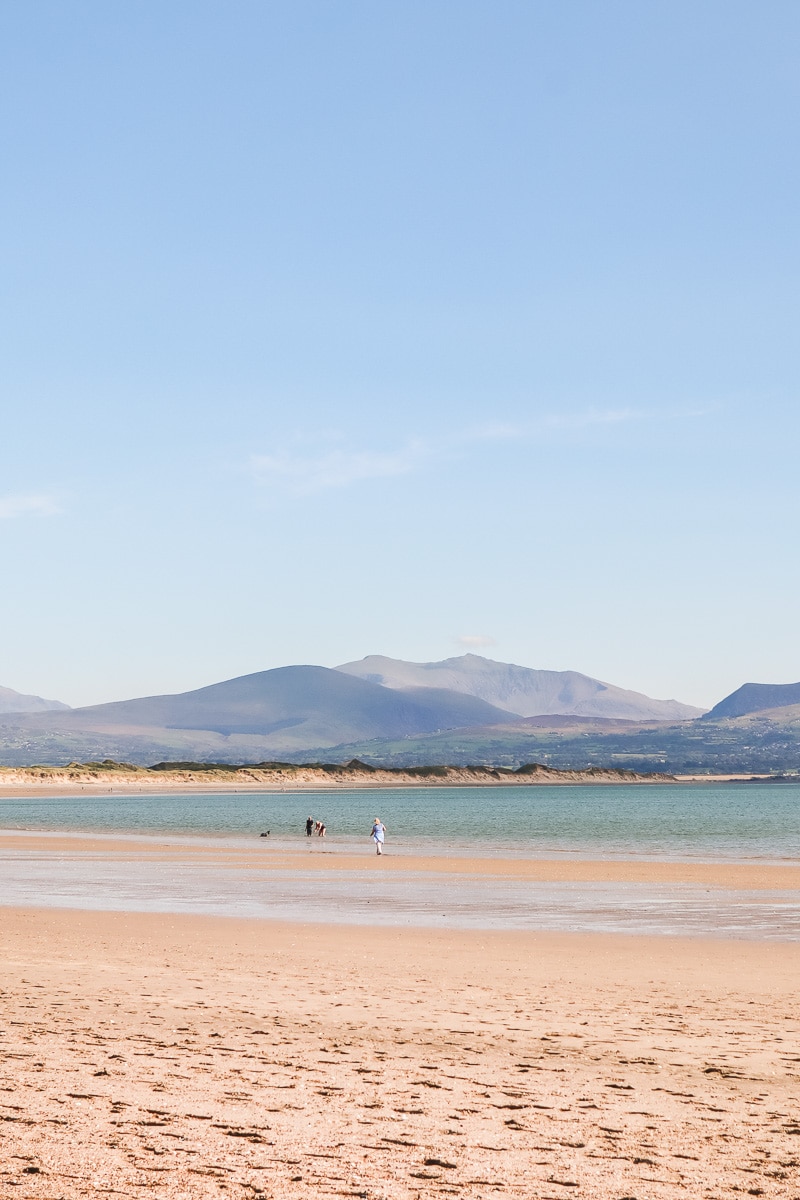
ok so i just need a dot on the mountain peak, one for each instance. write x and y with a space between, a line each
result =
18 702
755 697
524 691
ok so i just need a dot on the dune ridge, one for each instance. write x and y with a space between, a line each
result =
279 776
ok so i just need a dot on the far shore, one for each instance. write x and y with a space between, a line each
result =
119 778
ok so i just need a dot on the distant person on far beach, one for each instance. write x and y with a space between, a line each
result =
322 830
309 826
378 834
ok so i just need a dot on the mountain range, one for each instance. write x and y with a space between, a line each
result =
520 690
286 708
467 709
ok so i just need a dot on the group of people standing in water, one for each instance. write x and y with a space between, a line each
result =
377 834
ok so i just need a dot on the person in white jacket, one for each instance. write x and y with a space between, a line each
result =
378 834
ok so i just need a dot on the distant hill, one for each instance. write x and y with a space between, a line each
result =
765 742
16 702
520 690
283 710
755 697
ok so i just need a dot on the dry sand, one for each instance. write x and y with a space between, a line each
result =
192 1057
95 780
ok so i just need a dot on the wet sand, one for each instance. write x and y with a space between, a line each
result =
316 855
200 1057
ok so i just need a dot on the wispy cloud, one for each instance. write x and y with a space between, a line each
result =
300 471
303 474
475 641
584 420
506 431
27 504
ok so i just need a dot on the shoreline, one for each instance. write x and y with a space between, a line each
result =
165 848
348 889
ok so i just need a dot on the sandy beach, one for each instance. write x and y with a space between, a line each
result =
196 1057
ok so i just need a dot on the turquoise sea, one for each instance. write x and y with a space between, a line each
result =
702 823
710 822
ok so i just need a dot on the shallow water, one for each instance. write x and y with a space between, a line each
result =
702 821
754 822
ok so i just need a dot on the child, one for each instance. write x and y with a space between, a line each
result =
378 834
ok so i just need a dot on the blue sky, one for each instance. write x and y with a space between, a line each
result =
407 328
